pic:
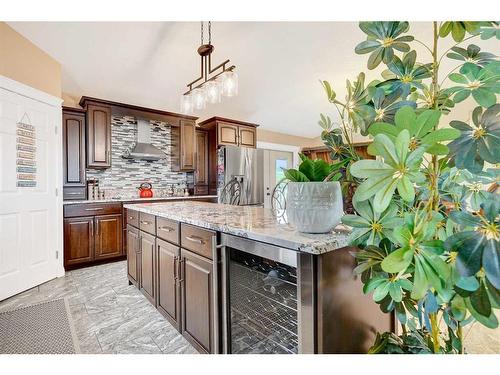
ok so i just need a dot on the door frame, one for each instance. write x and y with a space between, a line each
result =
281 147
55 111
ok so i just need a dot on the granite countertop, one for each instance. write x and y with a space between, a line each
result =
137 199
255 223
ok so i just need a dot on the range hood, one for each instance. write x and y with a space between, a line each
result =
143 149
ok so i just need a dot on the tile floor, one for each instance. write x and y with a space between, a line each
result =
110 316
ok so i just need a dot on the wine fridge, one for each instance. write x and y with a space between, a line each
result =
266 298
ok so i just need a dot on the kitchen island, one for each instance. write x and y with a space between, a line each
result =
234 279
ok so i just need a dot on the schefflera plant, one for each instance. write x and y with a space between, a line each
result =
426 212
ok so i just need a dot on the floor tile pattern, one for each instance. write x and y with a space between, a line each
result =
109 315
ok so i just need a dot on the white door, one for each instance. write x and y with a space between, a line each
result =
274 164
30 217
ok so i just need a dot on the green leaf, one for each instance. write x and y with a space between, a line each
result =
381 291
458 78
484 97
468 283
406 189
469 246
441 135
458 307
295 175
480 301
370 168
405 117
397 261
374 283
491 262
420 282
395 292
490 321
385 148
465 218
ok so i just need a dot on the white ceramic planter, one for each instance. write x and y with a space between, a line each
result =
314 207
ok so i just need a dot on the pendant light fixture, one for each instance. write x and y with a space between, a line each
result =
213 83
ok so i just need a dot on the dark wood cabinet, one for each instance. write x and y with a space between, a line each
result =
108 236
73 134
187 159
196 279
133 255
98 136
201 172
224 132
93 232
168 288
148 266
78 240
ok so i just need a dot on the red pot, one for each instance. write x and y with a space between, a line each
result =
145 190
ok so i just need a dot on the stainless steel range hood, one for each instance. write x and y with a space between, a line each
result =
143 149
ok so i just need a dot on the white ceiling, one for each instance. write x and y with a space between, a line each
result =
279 64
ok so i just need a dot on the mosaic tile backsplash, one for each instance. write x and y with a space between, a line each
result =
126 175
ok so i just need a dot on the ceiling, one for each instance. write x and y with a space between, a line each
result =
279 64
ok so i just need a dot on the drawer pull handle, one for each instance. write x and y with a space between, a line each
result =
166 229
93 209
145 222
131 218
195 239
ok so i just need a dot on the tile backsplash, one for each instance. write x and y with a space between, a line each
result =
126 175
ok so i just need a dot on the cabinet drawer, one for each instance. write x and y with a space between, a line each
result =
92 209
147 223
132 217
167 230
197 240
74 193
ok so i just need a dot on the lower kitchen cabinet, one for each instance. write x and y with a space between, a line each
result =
148 266
168 288
108 236
78 240
133 255
196 279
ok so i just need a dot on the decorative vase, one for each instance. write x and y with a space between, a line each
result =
314 207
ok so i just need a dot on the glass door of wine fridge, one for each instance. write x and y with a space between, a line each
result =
261 306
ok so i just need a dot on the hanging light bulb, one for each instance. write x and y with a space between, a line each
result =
199 98
187 104
213 91
229 82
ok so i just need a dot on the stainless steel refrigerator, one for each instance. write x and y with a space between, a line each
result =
240 176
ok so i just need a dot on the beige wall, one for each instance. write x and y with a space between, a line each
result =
24 62
284 139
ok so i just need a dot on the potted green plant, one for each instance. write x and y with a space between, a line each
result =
314 196
425 224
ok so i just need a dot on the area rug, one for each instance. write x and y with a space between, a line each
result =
44 328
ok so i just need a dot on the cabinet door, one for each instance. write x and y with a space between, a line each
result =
133 253
201 173
73 130
187 145
227 134
98 136
168 290
108 236
197 300
78 240
247 136
148 265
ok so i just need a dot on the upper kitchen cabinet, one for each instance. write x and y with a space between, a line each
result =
98 136
73 131
201 173
187 134
228 132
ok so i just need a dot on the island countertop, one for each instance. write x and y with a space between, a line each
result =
254 223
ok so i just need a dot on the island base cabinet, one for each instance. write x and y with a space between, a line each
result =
196 280
148 263
168 288
133 256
